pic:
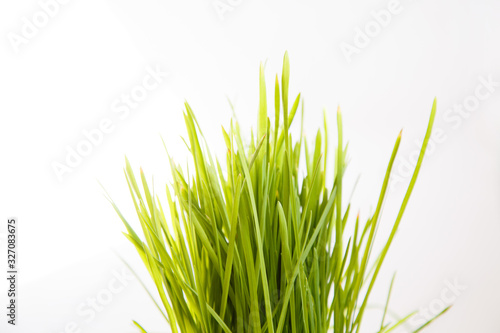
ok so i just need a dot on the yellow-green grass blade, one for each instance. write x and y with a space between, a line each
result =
403 205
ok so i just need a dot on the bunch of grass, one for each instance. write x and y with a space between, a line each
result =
256 247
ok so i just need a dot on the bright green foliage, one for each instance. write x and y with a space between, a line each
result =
257 247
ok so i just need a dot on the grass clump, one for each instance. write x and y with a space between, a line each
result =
250 245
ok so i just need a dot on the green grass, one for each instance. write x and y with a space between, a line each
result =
250 245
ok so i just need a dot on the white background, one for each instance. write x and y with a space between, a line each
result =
65 78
